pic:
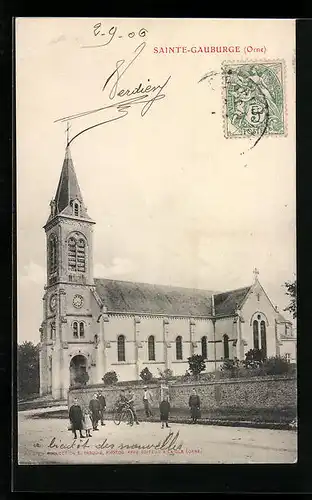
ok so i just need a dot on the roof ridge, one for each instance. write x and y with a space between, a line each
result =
153 298
157 284
235 289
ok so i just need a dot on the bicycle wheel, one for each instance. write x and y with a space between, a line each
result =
117 417
130 417
127 416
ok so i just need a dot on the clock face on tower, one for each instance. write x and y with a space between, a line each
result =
53 302
78 301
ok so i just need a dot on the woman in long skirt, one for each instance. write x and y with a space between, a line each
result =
164 409
87 422
194 404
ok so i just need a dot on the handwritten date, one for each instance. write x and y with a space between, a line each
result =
98 30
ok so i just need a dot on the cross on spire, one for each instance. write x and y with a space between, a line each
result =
67 134
256 273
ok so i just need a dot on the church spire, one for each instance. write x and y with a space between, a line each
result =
68 188
68 198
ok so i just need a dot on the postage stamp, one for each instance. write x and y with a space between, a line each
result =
254 100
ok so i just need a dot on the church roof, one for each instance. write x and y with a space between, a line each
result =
127 296
281 319
227 303
68 190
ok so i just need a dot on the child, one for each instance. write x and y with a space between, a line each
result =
87 422
164 408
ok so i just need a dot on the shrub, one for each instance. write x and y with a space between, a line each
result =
209 376
255 365
82 378
146 375
110 378
230 368
196 364
166 374
254 358
276 365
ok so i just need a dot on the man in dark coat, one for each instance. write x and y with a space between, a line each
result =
94 407
102 403
164 409
76 418
194 404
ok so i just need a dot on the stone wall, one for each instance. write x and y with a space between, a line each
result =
265 392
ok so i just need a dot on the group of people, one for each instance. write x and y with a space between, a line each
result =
89 418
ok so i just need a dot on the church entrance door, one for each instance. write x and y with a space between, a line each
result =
78 370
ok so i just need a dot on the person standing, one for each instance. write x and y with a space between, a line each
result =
102 403
94 407
76 418
164 409
147 401
194 404
130 401
122 400
87 422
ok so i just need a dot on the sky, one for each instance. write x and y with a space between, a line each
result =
175 201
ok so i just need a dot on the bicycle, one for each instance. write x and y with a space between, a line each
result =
123 414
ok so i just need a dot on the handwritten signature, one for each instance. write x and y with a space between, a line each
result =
121 107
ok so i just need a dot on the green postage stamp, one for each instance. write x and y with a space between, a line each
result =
254 100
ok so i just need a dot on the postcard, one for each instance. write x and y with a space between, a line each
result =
156 230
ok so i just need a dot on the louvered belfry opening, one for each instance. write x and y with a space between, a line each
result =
76 255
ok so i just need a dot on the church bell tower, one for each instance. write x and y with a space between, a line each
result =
66 301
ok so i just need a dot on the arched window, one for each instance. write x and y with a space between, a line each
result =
151 348
75 329
53 254
263 338
76 255
121 351
226 346
204 347
256 334
52 330
179 353
81 329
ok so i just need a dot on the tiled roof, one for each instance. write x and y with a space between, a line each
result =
228 302
127 296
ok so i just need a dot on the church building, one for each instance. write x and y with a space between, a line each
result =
95 325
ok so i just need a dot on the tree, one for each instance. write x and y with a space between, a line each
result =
28 369
196 364
146 375
110 378
291 291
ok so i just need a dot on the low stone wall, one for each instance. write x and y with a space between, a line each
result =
263 392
